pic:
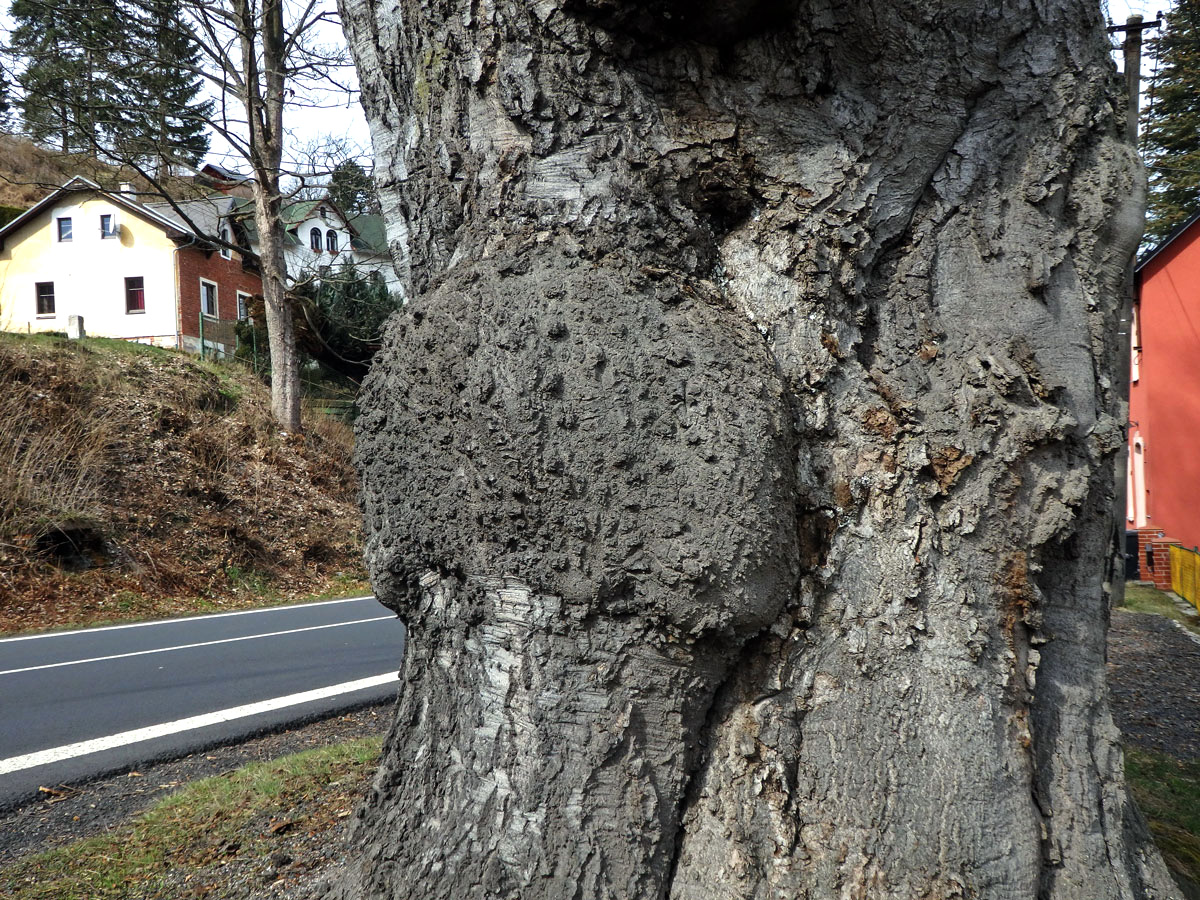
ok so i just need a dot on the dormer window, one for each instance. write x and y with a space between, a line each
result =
226 253
314 240
331 241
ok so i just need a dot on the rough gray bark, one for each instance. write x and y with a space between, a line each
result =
742 465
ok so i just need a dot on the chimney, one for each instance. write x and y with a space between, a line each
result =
126 187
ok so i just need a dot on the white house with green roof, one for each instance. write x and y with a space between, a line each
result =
321 239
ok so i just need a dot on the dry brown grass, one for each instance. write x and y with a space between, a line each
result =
146 482
56 460
28 172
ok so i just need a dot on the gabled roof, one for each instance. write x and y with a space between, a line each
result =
295 213
243 211
220 172
206 213
79 184
372 234
1162 245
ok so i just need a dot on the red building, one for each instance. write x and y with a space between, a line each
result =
220 285
1164 396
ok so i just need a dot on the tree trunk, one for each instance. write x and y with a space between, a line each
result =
263 40
742 465
278 311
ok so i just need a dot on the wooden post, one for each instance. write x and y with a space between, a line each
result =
1133 28
1133 75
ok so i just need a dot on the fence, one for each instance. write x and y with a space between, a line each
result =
1185 574
218 338
335 408
221 342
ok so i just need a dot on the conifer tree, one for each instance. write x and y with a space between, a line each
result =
4 95
352 189
1172 123
67 94
113 78
164 117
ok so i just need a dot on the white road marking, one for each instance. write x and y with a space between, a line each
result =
241 612
83 748
232 640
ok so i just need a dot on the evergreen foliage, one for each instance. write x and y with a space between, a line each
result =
164 117
67 96
110 78
1172 123
352 189
345 312
4 93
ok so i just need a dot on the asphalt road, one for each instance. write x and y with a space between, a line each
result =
77 705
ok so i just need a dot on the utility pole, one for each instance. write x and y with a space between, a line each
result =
1133 28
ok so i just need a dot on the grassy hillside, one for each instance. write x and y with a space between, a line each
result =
141 481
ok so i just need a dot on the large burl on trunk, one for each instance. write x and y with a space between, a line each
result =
743 463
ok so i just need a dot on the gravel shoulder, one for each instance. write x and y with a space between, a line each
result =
1154 684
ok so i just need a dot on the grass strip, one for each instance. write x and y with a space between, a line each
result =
1143 598
1168 793
210 822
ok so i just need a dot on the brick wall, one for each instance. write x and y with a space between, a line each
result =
229 276
1146 563
1155 549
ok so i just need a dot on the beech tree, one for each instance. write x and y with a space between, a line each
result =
742 464
262 56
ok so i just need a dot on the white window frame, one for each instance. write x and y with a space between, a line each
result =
243 306
226 253
1135 346
216 296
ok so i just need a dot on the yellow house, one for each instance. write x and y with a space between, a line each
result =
130 270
